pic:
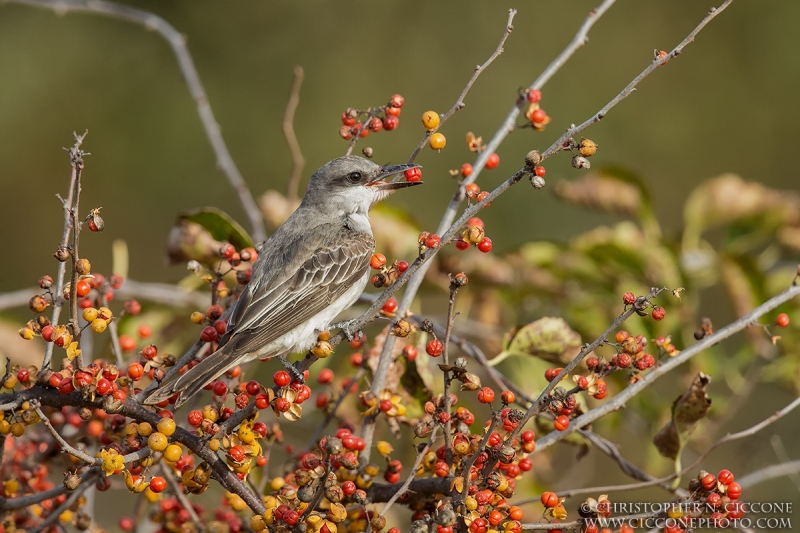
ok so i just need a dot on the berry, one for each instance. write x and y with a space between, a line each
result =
410 352
390 306
466 169
507 397
281 378
549 499
158 484
195 418
219 388
538 116
347 120
413 174
709 482
725 477
492 161
375 124
390 122
402 266
486 395
540 171
534 95
377 261
209 334
462 244
485 245
437 141
386 405
782 321
561 423
325 376
430 119
433 241
434 348
396 101
734 491
659 313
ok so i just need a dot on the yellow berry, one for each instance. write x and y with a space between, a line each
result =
430 119
5 427
471 503
66 517
144 429
99 325
371 470
105 313
277 483
166 426
151 496
26 333
172 453
210 413
213 445
437 141
17 429
257 523
384 448
237 503
197 317
270 502
157 441
11 382
90 314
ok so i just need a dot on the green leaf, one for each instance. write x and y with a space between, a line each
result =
220 225
548 338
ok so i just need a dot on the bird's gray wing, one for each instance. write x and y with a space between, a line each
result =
280 306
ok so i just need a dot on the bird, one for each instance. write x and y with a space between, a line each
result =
311 269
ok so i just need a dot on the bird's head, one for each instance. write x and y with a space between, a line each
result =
352 182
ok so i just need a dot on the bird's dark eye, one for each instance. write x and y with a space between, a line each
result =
354 177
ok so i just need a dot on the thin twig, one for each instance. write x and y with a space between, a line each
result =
66 447
298 162
58 299
184 501
460 101
448 439
177 42
412 474
76 160
768 473
69 502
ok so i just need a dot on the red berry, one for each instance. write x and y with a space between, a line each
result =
158 484
433 241
624 360
561 423
375 124
396 101
413 174
325 376
386 405
525 464
47 333
356 359
486 395
540 171
377 261
725 477
659 313
783 320
434 348
253 388
347 120
349 488
528 436
262 401
390 122
281 378
220 388
492 161
709 482
462 244
410 352
82 288
734 491
549 499
209 334
135 371
195 418
466 169
127 343
534 95
628 298
551 373
538 116
104 387
485 245
390 306
508 397
402 266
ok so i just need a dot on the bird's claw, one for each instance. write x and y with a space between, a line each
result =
347 328
293 371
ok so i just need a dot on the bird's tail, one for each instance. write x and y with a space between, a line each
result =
193 380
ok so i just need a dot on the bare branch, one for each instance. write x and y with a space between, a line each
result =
412 473
291 139
768 473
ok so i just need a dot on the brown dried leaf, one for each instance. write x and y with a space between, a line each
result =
598 191
687 411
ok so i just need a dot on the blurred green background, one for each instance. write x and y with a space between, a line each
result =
728 104
725 105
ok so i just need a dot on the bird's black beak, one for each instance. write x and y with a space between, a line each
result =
391 170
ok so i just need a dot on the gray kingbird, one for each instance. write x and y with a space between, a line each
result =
311 269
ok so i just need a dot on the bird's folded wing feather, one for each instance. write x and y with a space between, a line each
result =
285 302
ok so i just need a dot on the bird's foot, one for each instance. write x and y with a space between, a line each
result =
293 371
347 328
